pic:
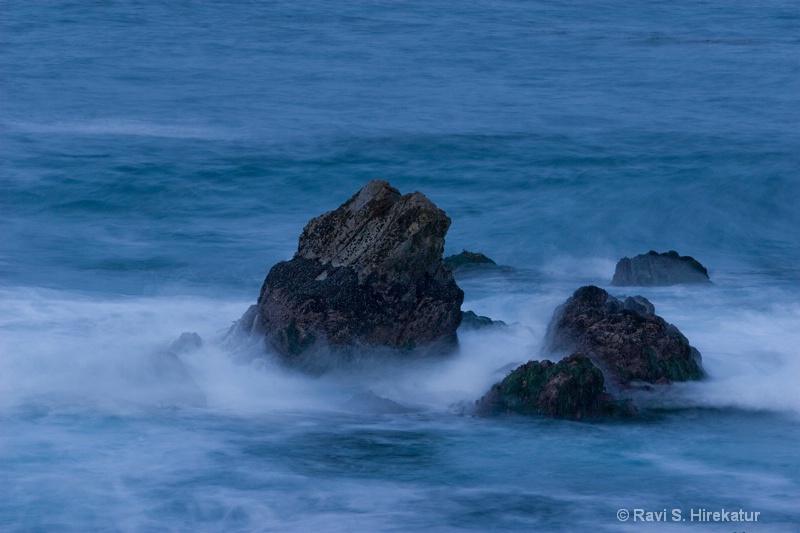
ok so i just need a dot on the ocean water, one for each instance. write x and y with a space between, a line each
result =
157 158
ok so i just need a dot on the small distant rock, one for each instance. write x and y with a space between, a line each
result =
625 339
472 320
466 260
654 269
572 389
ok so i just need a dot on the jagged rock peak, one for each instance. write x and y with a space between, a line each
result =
379 229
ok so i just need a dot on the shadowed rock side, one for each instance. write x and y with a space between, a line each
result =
369 274
572 389
655 269
625 339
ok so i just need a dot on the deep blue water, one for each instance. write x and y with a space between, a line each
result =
157 158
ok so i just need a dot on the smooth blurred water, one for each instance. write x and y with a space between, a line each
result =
156 159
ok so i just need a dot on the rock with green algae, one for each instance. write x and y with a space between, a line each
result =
573 388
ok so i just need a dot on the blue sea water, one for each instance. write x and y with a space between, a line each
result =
157 158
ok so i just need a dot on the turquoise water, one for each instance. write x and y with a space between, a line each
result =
156 159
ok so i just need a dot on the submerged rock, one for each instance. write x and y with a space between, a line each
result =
370 403
466 260
573 389
163 377
625 339
175 387
369 274
655 269
186 343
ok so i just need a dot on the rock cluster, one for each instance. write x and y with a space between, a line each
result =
369 277
613 344
655 269
368 274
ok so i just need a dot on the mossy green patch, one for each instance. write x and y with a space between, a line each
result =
572 388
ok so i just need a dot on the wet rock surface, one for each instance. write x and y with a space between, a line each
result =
659 269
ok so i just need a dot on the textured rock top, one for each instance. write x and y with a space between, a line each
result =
379 229
655 269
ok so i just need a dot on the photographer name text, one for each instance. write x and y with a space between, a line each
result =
693 515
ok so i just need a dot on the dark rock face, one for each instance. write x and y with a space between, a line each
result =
572 389
655 269
369 274
466 260
625 339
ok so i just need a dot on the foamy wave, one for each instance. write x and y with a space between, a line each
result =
65 348
753 359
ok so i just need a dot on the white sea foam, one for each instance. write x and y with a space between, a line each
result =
65 348
753 359
595 270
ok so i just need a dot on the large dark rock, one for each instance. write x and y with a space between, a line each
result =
655 269
625 339
573 388
369 274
